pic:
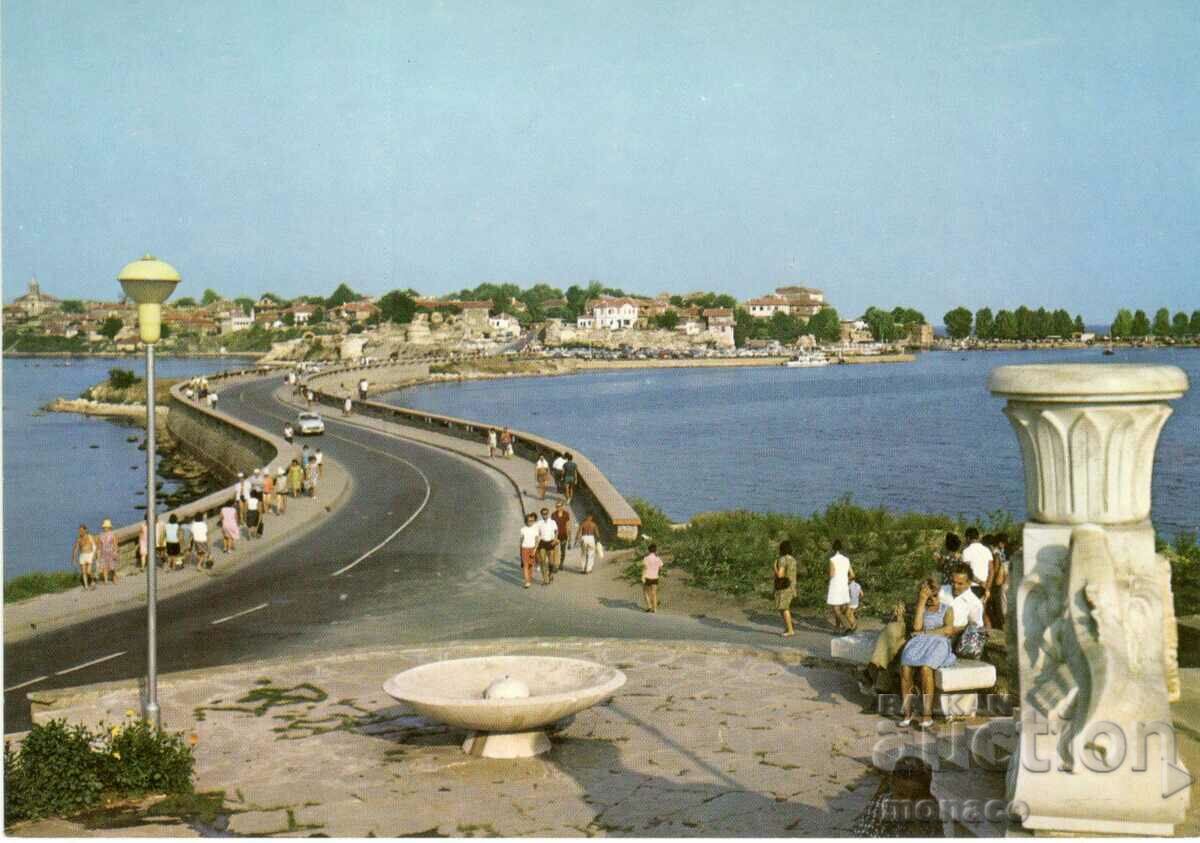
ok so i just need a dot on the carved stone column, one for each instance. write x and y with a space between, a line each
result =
1091 601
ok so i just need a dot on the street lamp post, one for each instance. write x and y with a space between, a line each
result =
149 282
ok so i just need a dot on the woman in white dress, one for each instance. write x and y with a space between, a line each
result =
838 596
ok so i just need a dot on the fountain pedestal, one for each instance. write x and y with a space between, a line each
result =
1091 603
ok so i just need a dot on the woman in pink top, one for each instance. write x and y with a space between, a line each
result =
230 531
143 544
651 566
107 543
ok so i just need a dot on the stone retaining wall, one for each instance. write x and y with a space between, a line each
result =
614 513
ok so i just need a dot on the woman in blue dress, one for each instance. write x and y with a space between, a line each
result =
930 648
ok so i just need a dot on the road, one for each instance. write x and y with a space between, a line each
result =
423 551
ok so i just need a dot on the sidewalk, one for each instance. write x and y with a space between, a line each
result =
48 612
704 739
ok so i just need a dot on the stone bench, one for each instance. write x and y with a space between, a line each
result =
957 685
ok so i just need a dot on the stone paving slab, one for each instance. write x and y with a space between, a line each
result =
703 740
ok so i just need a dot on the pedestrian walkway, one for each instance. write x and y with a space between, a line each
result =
48 612
704 739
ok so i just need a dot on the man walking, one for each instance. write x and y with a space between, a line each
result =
556 468
570 477
585 538
530 536
547 539
362 389
979 557
562 520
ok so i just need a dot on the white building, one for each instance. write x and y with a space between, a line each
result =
768 306
236 320
611 313
504 326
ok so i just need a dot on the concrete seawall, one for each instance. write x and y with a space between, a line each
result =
617 517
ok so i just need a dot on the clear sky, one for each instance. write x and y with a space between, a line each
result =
926 154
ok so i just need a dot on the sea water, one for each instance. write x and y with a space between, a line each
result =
63 469
925 436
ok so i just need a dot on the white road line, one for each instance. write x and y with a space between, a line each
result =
239 614
387 435
23 684
89 664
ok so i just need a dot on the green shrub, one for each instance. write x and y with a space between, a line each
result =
732 552
54 773
142 759
31 585
60 769
1184 555
122 379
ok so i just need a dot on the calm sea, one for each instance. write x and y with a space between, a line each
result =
925 436
62 469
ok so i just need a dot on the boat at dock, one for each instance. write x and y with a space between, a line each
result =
807 360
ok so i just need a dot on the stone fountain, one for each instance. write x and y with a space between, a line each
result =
1092 604
507 702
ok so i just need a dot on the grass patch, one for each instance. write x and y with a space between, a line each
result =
31 585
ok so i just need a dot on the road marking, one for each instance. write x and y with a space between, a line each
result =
387 435
239 614
23 684
89 664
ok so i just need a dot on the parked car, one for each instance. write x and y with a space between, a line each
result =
310 424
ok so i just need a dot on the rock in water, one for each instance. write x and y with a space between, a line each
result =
93 446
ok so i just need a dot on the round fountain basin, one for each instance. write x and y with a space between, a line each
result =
452 692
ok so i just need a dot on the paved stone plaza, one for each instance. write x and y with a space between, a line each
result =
703 740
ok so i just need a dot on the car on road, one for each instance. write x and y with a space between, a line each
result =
310 424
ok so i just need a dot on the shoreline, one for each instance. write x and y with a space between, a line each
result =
132 355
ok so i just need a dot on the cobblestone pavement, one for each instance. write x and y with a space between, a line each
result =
704 739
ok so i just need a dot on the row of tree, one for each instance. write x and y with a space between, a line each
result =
825 326
1137 324
1024 323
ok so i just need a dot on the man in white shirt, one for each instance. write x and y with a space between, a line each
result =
530 536
556 469
547 539
958 595
979 558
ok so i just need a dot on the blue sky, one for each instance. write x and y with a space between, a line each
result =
927 154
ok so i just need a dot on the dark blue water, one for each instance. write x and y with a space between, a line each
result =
54 479
925 436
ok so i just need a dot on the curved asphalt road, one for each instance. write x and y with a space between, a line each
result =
449 574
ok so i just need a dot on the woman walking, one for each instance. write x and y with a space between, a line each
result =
174 545
492 442
838 595
541 472
295 478
107 552
928 650
651 570
230 531
785 586
200 541
84 552
143 544
506 442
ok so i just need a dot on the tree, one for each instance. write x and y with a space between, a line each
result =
1141 325
111 327
1122 325
71 306
247 305
784 327
958 323
882 324
1042 324
210 296
1080 328
985 323
1006 326
186 301
397 307
826 325
907 316
1162 322
676 301
277 299
1063 326
1179 325
342 295
1026 330
289 319
1194 324
318 316
667 320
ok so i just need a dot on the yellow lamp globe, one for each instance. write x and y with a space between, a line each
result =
149 282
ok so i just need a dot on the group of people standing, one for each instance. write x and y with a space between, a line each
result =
563 470
196 389
546 537
96 555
